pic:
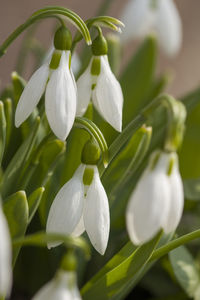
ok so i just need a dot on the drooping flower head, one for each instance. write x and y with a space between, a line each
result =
56 77
82 204
157 201
5 257
99 85
160 16
62 286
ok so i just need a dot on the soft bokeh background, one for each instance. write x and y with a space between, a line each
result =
185 68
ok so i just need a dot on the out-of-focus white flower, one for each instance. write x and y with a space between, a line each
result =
80 206
5 257
99 85
56 76
158 199
62 287
160 16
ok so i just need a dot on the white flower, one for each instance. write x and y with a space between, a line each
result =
62 286
157 201
103 89
5 257
60 97
160 16
78 207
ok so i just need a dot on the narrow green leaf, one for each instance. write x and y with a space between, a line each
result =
16 210
15 168
34 202
2 130
114 52
8 107
116 260
137 79
185 270
127 161
43 161
111 283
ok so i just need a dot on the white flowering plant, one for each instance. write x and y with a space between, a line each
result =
99 167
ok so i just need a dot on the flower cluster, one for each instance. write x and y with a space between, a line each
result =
56 79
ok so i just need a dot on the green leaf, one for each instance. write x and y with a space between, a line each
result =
8 107
15 169
137 79
43 162
2 130
190 167
127 161
185 270
110 284
192 189
17 212
34 202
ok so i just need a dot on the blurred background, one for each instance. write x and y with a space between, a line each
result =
185 67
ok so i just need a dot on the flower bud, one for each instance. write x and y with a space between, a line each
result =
99 46
91 153
63 39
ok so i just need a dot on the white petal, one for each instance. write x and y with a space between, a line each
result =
5 257
67 207
96 214
80 228
149 204
61 99
31 94
138 18
49 53
84 86
177 198
76 63
108 97
168 26
61 287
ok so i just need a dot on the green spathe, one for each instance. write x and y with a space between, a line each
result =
63 39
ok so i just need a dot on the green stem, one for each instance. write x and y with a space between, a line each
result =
175 244
49 12
93 130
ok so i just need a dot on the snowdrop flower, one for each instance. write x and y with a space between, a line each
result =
158 199
99 84
82 204
160 16
5 257
54 76
62 286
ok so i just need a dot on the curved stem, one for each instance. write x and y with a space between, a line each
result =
50 12
95 132
175 244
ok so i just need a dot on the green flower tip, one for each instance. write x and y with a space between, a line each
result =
91 153
63 39
99 46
